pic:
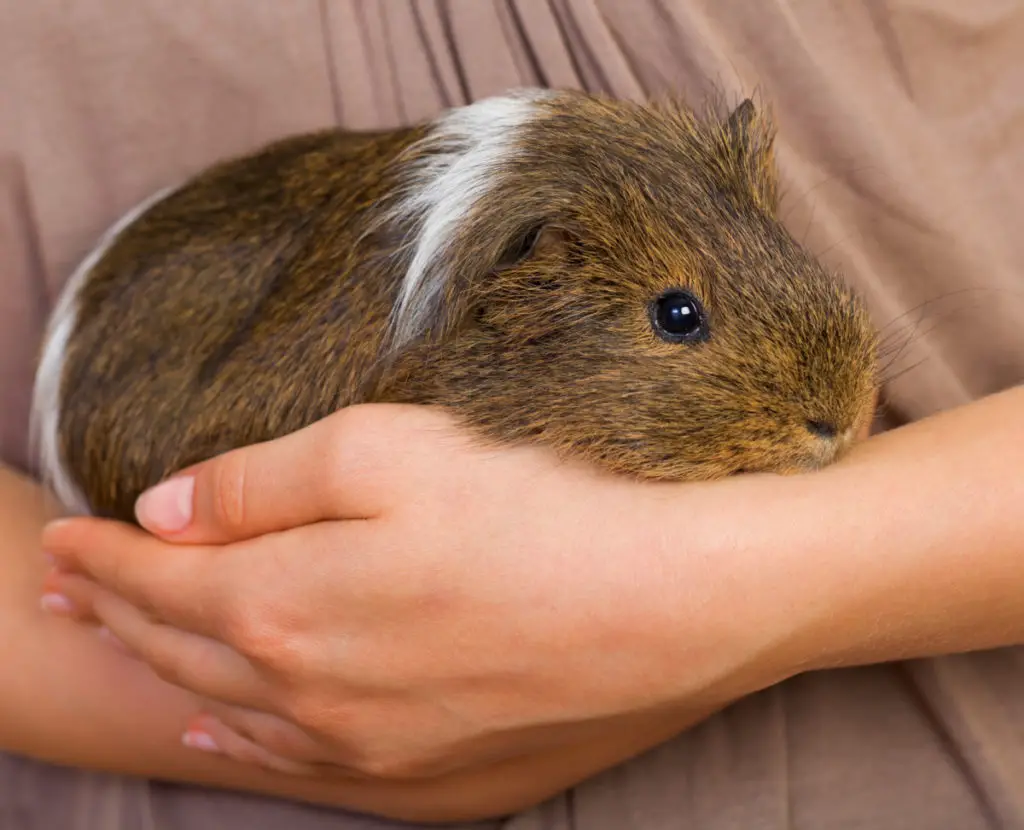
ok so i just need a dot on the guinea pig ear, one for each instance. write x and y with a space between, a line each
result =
739 122
539 240
750 143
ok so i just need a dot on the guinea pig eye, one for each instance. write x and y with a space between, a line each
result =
678 318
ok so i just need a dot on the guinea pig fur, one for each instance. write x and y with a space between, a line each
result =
607 278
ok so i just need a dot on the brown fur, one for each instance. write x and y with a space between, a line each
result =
256 299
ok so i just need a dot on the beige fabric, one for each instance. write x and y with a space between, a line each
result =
902 149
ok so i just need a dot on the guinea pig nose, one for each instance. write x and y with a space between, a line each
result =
822 429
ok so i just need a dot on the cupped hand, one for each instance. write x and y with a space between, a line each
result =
382 594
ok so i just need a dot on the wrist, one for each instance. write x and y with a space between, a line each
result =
721 597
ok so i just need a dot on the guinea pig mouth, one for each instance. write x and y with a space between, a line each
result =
827 451
806 458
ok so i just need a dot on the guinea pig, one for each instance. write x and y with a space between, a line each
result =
607 278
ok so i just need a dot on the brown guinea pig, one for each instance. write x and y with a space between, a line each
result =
604 277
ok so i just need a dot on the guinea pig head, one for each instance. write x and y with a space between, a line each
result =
611 279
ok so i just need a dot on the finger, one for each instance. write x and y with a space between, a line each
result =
176 584
250 595
73 597
201 666
69 595
274 734
211 735
342 467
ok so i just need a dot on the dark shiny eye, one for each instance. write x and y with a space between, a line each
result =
678 317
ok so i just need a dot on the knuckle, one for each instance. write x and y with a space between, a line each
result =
253 623
185 665
240 628
281 654
228 499
298 707
167 666
266 645
324 718
362 741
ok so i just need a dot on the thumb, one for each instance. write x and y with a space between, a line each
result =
332 469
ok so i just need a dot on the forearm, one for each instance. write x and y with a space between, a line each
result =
914 546
72 699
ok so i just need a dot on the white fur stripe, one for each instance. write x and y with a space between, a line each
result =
46 394
468 147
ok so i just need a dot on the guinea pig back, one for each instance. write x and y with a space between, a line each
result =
607 278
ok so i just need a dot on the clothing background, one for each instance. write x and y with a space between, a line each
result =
901 148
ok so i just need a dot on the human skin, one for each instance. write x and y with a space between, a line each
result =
579 603
124 719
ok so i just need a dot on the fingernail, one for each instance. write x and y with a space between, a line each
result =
56 604
168 506
200 740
